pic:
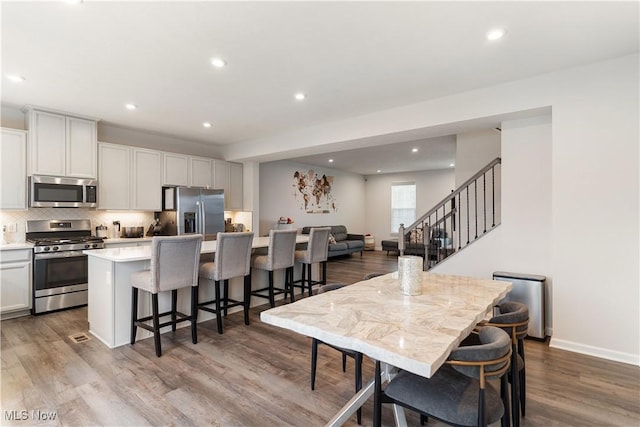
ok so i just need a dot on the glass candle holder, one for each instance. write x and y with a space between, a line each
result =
410 274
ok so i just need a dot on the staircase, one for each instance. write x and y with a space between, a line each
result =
461 218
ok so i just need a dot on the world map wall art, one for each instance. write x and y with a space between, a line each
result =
312 192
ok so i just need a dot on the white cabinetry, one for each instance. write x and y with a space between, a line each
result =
129 178
200 172
13 169
61 145
176 169
146 180
228 177
15 284
113 176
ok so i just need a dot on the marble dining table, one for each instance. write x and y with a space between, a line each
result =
414 333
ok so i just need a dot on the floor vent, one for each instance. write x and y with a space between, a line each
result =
78 338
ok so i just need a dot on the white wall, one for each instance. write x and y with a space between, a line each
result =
431 188
474 150
594 179
277 198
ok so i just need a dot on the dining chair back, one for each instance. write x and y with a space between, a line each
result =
174 265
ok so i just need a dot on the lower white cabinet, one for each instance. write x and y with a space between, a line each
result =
129 178
15 284
13 169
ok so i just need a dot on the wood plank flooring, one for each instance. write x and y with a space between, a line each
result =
255 375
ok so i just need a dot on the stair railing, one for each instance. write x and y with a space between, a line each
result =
457 220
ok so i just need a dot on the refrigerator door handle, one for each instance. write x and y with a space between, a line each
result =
203 223
198 217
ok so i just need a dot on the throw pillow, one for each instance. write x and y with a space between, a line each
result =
332 239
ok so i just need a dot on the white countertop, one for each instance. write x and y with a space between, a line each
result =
131 240
142 253
16 245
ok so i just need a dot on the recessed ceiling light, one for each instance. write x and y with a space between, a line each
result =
206 124
451 165
131 106
330 160
495 34
218 62
414 150
15 78
379 170
299 96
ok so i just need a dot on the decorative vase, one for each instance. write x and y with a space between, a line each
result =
410 274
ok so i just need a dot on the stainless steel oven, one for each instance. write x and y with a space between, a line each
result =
60 268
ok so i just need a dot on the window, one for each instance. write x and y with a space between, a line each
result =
403 204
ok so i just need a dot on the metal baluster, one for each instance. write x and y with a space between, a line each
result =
475 205
467 190
484 201
459 226
493 193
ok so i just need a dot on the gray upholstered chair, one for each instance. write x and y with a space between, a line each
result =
357 356
458 393
513 318
280 255
316 252
174 265
232 259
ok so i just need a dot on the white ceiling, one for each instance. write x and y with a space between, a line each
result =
351 58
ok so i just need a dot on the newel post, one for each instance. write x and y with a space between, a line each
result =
401 240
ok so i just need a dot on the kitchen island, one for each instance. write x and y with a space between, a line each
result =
109 305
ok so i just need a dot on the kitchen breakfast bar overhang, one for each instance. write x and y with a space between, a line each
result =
109 301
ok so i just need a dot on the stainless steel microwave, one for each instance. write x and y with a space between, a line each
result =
61 192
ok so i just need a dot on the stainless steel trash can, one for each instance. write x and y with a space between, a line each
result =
528 289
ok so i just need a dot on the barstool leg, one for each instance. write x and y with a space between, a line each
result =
156 323
174 303
218 306
134 313
272 300
302 279
226 297
194 312
291 283
324 273
309 280
247 297
314 361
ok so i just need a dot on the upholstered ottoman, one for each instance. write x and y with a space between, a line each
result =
390 245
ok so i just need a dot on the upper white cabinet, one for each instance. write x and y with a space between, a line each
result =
176 169
234 200
229 177
129 178
113 176
200 172
61 145
146 170
13 169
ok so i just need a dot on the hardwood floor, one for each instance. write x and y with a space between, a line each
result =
255 375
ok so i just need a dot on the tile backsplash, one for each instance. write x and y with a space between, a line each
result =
15 221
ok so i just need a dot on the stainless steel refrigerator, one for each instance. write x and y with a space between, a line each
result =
192 210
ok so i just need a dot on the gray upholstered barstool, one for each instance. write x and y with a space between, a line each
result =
174 265
282 247
232 259
316 252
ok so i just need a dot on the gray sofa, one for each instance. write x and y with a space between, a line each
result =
346 243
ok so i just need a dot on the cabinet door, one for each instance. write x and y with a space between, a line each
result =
81 148
234 200
146 179
221 178
13 169
113 176
200 172
176 169
46 143
15 287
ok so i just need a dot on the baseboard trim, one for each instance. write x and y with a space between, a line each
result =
603 353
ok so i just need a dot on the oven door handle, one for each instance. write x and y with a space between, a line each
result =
64 254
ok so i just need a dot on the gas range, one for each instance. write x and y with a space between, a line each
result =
62 235
54 244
